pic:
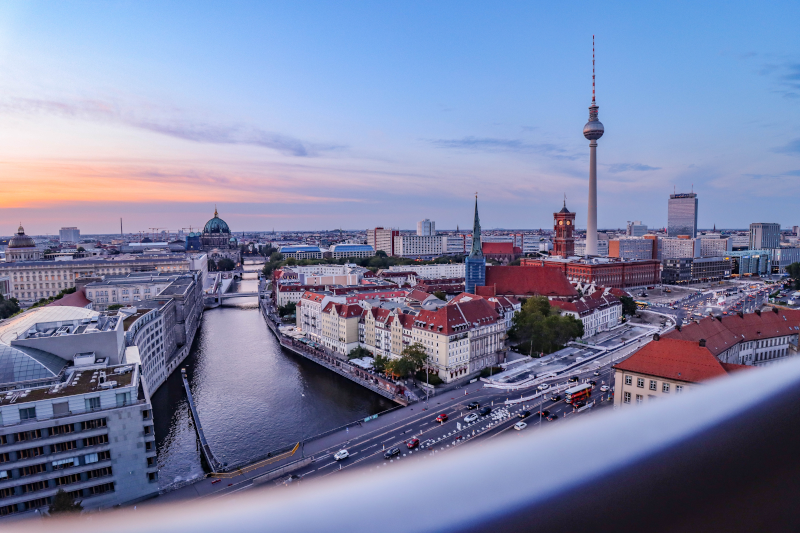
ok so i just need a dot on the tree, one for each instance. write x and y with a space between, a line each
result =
63 503
81 249
288 309
794 271
415 354
225 265
8 307
275 257
212 265
114 307
441 295
400 367
358 352
628 305
379 363
538 328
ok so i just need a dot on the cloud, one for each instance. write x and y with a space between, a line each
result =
489 144
181 128
630 167
787 76
773 176
791 148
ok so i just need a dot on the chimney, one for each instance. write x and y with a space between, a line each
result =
741 315
702 343
758 312
775 310
656 337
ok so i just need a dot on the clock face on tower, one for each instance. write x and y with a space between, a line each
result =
567 222
560 222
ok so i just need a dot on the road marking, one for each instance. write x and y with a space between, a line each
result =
387 440
368 447
329 464
307 473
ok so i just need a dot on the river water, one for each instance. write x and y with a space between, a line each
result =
252 396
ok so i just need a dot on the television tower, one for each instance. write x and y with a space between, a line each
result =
593 130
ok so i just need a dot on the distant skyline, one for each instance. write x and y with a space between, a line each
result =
319 115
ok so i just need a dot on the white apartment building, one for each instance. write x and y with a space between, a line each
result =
454 244
715 247
382 239
598 312
426 228
679 248
71 234
443 271
417 245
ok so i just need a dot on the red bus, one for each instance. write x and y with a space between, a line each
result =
578 393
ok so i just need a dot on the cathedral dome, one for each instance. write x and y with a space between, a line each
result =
20 240
216 225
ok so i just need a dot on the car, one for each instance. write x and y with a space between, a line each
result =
341 455
578 405
543 386
524 414
596 372
470 418
413 443
543 413
592 382
485 411
605 388
573 379
552 416
473 405
556 397
458 439
442 418
291 479
391 452
519 426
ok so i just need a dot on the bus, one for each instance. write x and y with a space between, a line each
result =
641 305
578 393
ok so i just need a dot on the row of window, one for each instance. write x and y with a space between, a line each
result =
24 436
653 385
44 502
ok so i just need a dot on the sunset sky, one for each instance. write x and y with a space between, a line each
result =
320 115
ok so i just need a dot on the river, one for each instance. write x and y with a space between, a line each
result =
252 397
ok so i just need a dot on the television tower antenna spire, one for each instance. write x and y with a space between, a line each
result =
592 68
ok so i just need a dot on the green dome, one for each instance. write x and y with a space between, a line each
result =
216 225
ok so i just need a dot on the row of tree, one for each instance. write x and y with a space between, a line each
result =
413 358
794 272
540 329
222 265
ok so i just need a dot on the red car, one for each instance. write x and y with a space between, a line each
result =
413 443
442 418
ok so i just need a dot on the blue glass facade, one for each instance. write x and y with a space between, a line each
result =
475 272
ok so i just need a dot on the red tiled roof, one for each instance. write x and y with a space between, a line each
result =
418 295
344 310
463 315
733 329
528 281
674 359
496 248
76 299
588 304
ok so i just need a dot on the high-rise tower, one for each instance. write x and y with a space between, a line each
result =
475 263
563 226
593 130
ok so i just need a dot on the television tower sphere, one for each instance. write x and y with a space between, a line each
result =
593 129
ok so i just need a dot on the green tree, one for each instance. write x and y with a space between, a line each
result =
358 352
81 249
63 503
379 363
441 295
400 367
415 354
225 265
794 272
628 305
288 309
538 327
114 307
212 265
275 256
8 307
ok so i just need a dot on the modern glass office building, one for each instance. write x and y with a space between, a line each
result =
682 215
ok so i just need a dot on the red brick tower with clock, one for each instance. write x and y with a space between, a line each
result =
563 226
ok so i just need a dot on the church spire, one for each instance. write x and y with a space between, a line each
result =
476 233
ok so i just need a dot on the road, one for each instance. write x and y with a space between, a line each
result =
697 305
367 450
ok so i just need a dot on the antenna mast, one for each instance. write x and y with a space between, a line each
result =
592 68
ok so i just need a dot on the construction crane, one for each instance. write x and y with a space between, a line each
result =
153 234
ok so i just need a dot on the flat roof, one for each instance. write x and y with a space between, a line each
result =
79 382
12 327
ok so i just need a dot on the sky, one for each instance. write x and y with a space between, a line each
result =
324 115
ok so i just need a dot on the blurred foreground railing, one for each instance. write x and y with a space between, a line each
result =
725 457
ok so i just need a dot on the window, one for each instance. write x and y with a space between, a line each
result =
665 387
62 430
64 446
100 472
3 457
93 424
27 413
33 487
678 389
640 382
100 489
64 463
60 408
30 452
5 493
92 403
653 384
628 380
626 397
66 480
123 398
37 503
639 398
28 435
95 441
33 469
152 476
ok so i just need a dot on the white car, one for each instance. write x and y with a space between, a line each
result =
604 388
469 419
544 386
519 426
341 455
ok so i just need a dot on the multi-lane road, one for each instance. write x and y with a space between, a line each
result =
699 305
366 450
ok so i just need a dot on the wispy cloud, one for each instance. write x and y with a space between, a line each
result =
630 167
182 128
791 148
490 144
787 76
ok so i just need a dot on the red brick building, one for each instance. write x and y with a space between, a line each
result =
502 252
524 282
564 225
617 274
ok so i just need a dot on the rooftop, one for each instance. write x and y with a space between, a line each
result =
78 382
